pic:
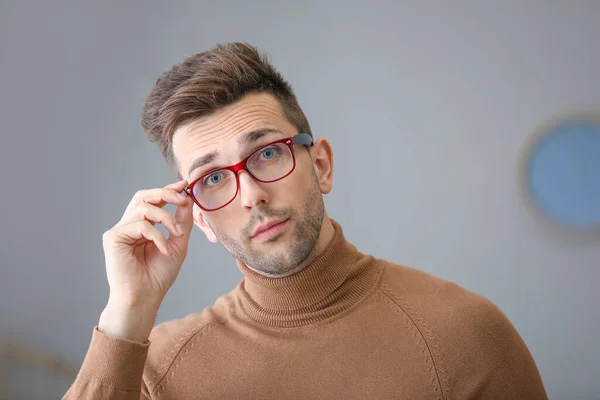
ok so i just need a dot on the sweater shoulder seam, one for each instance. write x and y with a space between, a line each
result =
188 341
429 341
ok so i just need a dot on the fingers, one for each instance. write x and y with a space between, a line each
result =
179 186
183 218
145 210
159 197
131 233
154 215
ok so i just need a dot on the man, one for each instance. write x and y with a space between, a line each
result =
313 317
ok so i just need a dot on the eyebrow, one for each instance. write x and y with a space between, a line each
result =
244 141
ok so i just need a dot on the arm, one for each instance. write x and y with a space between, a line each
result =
112 369
141 265
114 364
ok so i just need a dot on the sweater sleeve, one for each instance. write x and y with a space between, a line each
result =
112 369
487 358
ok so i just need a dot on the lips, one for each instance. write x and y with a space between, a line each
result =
267 226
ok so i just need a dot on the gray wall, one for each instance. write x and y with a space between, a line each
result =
426 104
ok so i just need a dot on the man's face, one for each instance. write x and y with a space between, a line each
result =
295 201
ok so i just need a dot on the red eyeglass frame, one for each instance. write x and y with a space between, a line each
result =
304 139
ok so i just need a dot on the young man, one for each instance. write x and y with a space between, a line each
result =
313 318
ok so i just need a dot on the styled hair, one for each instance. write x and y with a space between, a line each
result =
206 82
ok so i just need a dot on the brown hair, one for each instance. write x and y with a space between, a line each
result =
208 81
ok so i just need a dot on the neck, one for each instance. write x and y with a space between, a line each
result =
336 279
325 237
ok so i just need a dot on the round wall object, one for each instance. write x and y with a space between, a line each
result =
562 173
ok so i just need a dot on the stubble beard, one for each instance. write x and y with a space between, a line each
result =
293 253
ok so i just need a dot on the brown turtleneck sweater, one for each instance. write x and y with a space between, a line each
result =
349 326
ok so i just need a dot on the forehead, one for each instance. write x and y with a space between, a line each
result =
220 130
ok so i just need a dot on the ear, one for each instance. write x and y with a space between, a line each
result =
202 224
322 156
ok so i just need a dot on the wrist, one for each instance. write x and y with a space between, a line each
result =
126 321
133 302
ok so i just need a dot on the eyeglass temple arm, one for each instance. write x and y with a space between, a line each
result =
303 139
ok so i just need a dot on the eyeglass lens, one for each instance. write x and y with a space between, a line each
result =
267 164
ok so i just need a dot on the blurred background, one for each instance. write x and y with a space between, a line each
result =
428 106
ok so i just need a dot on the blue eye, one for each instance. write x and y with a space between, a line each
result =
213 179
269 153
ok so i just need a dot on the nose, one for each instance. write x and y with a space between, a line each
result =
251 192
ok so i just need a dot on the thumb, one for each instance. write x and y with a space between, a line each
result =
183 216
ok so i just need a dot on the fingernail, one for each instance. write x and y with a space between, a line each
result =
179 229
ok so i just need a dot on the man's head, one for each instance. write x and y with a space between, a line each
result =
214 110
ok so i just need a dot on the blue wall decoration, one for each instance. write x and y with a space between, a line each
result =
562 173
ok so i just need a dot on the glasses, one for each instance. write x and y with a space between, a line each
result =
270 163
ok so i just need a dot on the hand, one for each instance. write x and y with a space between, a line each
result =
141 263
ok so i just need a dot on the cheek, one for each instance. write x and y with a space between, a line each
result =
295 187
229 220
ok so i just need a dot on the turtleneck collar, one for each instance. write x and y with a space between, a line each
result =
326 287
